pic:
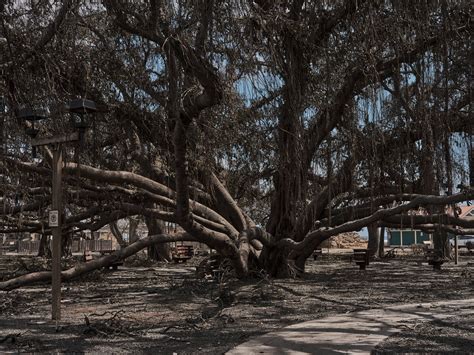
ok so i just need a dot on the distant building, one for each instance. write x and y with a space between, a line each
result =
467 212
408 236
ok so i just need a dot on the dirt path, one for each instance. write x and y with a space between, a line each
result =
354 333
167 309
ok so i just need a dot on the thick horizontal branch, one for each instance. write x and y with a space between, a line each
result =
381 214
45 276
159 193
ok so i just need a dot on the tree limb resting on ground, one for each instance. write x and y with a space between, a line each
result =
92 265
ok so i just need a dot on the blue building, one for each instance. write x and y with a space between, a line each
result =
407 237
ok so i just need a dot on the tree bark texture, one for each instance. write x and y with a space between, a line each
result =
158 251
374 239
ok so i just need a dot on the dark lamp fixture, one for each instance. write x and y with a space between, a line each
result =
82 106
31 115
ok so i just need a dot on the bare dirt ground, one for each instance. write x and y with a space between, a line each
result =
166 309
454 335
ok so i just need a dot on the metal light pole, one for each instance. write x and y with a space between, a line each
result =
79 107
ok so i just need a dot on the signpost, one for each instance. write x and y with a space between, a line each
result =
55 218
78 108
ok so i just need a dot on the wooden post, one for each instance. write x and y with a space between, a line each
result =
471 160
2 125
56 231
55 144
456 250
381 250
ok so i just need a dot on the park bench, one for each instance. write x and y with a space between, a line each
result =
433 258
113 266
470 247
361 258
87 256
317 252
182 253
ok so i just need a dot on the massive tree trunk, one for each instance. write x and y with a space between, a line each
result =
276 263
44 249
132 229
374 239
66 244
430 184
117 234
289 180
381 251
441 244
158 251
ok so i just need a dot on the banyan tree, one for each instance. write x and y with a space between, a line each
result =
260 128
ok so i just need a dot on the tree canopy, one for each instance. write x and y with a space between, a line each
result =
261 128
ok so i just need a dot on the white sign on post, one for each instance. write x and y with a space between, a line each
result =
53 219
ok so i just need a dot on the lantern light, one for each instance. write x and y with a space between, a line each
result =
31 115
81 107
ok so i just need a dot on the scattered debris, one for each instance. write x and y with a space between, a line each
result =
115 325
348 240
164 308
11 337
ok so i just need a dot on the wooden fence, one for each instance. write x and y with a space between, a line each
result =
28 247
78 246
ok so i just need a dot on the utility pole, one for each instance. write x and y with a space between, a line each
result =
79 108
56 231
55 215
